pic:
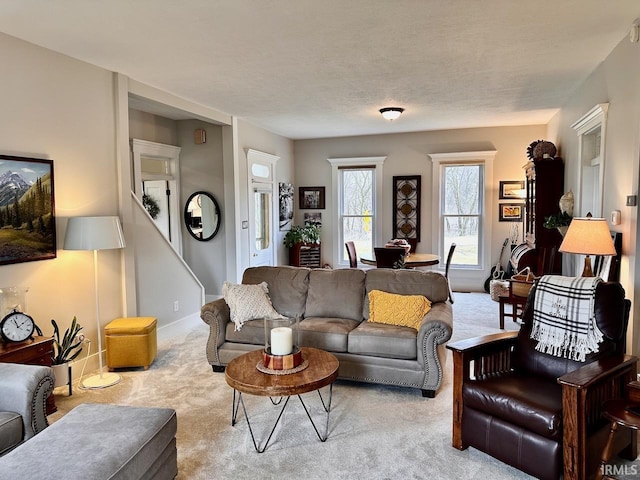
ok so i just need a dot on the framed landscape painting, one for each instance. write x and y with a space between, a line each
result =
27 218
511 212
511 189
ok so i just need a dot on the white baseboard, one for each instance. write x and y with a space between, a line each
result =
175 331
180 328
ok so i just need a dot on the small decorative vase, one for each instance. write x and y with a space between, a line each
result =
61 373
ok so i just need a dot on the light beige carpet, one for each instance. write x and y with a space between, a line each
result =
376 432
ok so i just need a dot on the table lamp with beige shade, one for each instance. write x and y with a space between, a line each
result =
588 236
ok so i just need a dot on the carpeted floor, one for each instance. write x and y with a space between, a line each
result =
376 432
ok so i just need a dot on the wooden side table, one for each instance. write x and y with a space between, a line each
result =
32 352
242 375
616 412
517 307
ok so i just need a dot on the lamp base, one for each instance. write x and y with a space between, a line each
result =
102 380
587 271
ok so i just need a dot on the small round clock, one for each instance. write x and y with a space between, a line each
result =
16 327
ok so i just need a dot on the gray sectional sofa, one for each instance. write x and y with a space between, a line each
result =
334 308
92 441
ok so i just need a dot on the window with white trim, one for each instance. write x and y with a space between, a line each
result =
461 211
461 206
357 192
357 198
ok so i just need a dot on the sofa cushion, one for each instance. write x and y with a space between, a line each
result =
327 333
400 310
11 431
382 340
248 302
531 402
252 332
432 285
336 293
287 287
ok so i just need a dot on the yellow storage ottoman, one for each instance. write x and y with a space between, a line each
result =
131 342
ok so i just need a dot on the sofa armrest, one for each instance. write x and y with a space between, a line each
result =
25 389
435 330
583 392
216 314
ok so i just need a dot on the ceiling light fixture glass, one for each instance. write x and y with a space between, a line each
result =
391 113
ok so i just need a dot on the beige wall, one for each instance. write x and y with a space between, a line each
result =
153 128
408 154
616 81
201 169
63 109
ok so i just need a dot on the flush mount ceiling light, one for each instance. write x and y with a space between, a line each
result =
391 113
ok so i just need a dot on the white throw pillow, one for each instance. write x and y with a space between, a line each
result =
248 302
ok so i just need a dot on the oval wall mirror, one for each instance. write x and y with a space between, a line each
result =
202 216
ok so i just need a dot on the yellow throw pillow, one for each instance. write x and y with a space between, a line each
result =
394 309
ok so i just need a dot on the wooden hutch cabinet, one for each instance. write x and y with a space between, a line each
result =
544 187
305 255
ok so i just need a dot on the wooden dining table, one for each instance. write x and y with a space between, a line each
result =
411 260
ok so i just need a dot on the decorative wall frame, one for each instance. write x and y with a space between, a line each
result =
511 212
311 198
285 197
406 206
27 213
313 218
511 189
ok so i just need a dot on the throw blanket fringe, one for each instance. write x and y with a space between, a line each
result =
564 322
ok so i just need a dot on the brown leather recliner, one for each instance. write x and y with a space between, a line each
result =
540 413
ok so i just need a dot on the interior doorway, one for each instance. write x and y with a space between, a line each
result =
157 174
159 193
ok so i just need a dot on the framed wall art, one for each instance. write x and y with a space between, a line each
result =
311 198
285 196
406 206
511 212
313 218
511 189
27 217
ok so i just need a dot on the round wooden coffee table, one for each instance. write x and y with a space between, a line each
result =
243 376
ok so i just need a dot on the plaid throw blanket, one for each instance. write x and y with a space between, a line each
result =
564 322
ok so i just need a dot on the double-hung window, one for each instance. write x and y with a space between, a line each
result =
357 195
460 206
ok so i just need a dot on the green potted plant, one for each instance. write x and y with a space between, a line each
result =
302 240
65 350
559 220
309 234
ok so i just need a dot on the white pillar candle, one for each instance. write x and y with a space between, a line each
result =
281 341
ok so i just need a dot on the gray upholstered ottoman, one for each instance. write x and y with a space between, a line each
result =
97 441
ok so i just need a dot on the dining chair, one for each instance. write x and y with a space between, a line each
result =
351 252
414 244
389 257
446 269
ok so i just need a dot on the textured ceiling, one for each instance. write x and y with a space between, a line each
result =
323 68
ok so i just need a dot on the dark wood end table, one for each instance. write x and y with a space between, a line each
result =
616 412
242 375
517 307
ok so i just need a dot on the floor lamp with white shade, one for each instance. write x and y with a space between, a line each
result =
95 233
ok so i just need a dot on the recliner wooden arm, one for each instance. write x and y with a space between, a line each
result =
489 354
583 392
